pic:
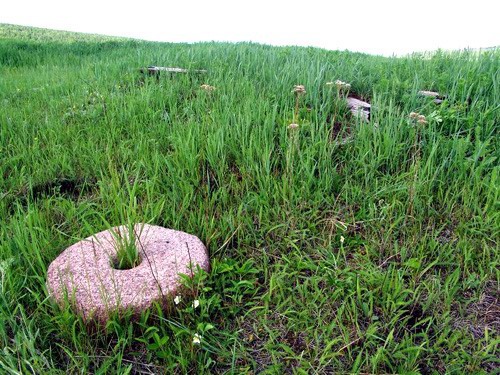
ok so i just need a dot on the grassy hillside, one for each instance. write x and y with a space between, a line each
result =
336 247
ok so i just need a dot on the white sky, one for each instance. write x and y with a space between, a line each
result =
379 27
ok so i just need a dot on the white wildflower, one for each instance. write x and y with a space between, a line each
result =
177 299
341 85
196 339
196 303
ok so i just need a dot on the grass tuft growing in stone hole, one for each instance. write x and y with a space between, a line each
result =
127 253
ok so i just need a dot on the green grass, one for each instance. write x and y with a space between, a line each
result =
127 255
412 287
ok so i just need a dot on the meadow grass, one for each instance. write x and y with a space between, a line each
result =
336 247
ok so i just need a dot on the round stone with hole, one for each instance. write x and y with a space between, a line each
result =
87 276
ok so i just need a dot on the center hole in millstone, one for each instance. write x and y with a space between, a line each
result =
126 257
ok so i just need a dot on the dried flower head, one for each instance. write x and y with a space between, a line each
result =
299 89
293 126
207 88
421 117
196 339
422 121
413 115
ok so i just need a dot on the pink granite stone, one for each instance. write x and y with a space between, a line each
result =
84 276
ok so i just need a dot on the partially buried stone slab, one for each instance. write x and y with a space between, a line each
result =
359 108
438 98
432 94
156 70
84 274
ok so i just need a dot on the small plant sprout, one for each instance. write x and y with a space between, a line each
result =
196 339
435 117
177 300
196 303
